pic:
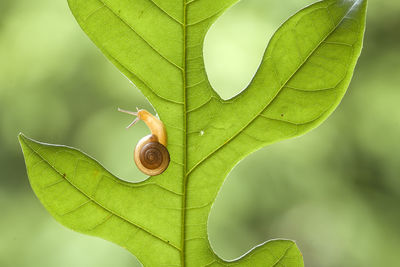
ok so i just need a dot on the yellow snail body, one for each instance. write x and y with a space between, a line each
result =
151 155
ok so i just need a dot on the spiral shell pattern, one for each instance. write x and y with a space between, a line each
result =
151 157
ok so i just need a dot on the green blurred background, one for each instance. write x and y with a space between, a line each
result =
336 190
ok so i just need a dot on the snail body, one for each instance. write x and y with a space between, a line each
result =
151 155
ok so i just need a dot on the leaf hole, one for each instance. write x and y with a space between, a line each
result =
236 42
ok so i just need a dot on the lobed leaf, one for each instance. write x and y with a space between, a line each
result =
158 45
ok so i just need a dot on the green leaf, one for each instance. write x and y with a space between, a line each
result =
158 45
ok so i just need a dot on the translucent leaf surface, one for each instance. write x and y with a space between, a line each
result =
158 45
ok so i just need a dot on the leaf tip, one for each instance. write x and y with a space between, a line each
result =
21 138
25 142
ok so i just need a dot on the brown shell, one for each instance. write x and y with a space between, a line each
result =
151 157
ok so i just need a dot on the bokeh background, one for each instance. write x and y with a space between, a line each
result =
336 190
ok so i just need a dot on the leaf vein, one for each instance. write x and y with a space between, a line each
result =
165 12
141 37
145 83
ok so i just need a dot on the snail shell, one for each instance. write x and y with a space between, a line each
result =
151 157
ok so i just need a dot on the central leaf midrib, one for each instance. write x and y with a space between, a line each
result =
185 173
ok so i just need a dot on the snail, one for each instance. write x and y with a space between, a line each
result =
151 155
